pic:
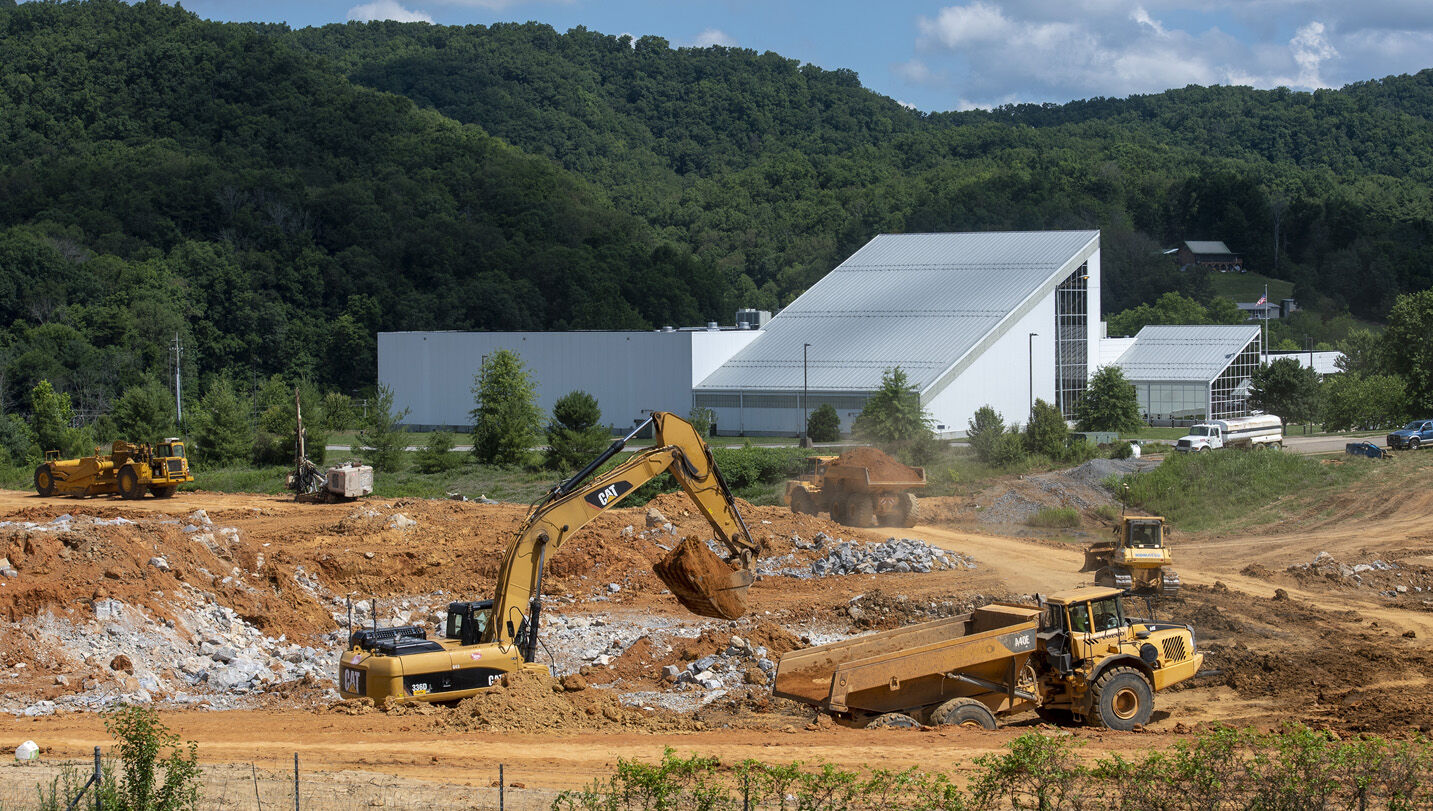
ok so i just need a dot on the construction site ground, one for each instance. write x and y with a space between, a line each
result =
1324 619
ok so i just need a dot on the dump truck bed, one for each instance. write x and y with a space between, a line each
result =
975 654
861 480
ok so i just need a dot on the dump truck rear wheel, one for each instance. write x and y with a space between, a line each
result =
1122 699
861 512
129 486
44 480
893 720
163 492
965 712
802 503
910 510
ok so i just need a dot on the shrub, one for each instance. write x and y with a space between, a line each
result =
702 420
985 430
436 454
147 782
1008 450
824 424
506 419
1122 450
1056 517
1047 434
383 436
575 434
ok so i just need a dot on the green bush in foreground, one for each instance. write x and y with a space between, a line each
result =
1220 768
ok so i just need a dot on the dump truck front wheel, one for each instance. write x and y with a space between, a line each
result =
893 720
861 512
163 492
965 712
910 510
802 503
44 480
128 481
1122 699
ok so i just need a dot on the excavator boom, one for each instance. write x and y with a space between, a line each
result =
701 581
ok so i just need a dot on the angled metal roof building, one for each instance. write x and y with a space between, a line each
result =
1183 374
971 318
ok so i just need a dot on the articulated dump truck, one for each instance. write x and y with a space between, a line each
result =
1075 657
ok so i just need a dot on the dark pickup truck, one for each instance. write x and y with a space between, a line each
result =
1412 436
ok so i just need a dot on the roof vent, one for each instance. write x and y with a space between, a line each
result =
669 329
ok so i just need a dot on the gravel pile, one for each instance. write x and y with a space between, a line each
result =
892 555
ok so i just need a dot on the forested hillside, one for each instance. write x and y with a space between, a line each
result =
276 197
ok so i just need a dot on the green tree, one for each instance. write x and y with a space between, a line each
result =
1362 353
1353 402
50 417
223 435
1286 388
1047 432
381 433
702 420
436 455
1170 308
575 435
984 432
824 424
1110 403
276 440
1408 348
16 439
339 412
144 413
506 419
893 414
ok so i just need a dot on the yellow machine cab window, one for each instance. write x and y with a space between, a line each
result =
1144 535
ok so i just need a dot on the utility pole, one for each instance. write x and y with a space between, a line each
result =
178 398
1030 399
805 417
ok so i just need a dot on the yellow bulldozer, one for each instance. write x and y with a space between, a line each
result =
1138 559
129 469
486 639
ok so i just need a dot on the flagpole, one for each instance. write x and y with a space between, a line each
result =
1264 333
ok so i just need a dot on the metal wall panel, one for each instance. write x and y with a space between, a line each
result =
432 373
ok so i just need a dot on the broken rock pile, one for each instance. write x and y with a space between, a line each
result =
893 555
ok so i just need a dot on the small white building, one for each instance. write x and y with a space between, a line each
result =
1184 374
630 373
973 319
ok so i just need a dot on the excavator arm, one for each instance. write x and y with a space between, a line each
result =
701 581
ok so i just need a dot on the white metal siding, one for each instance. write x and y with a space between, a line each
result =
431 373
999 377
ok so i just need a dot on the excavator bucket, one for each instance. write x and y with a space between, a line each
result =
707 585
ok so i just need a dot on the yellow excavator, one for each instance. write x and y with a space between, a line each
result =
484 640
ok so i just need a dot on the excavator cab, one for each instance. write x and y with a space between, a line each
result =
470 622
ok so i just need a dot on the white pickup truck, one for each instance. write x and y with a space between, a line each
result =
1263 430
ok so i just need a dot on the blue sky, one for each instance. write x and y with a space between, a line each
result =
976 53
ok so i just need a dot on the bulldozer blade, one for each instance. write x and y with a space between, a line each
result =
1097 556
704 583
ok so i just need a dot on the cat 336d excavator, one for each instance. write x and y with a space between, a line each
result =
484 640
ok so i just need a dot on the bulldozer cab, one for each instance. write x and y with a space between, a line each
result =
471 622
1144 533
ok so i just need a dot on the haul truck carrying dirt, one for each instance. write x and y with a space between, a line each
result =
1074 656
489 638
128 469
862 487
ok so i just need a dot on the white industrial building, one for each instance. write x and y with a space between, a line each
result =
973 319
432 373
1184 374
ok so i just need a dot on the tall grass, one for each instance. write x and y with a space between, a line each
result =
1232 487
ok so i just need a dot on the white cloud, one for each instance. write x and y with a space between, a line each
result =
499 5
387 10
988 52
713 36
1311 49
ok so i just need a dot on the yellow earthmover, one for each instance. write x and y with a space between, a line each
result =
1138 559
128 469
485 639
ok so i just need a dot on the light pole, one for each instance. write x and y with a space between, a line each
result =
804 380
1030 400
